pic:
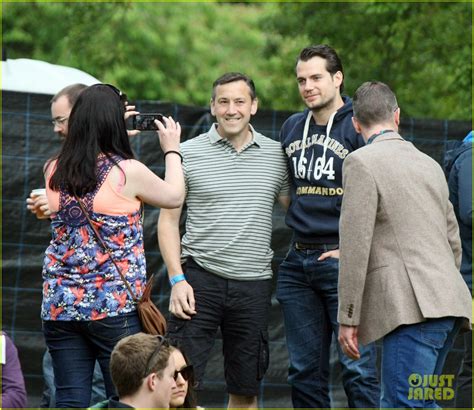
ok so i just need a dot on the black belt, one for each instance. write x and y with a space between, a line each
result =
316 246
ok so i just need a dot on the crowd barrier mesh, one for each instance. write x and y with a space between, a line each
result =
28 141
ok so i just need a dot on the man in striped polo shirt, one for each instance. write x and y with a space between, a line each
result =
233 177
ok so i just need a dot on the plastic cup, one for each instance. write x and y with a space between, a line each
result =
38 192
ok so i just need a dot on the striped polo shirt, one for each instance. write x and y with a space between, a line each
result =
230 197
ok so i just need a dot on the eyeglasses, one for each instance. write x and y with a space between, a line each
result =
59 121
151 361
187 372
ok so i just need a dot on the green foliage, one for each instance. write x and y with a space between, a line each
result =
174 51
165 51
422 50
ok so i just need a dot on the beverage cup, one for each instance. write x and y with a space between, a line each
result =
38 192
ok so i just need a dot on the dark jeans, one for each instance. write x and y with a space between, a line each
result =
75 346
464 383
48 400
307 291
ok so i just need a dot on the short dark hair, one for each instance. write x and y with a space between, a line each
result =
96 125
71 92
333 62
374 102
232 77
129 361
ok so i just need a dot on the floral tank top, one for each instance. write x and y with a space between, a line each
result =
80 280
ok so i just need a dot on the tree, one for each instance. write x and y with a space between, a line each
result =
422 50
165 51
174 51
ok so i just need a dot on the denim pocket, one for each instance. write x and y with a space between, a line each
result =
331 261
55 328
263 355
115 328
435 332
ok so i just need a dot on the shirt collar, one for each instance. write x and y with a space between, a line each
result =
393 135
214 136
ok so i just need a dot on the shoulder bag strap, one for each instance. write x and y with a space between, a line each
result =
125 281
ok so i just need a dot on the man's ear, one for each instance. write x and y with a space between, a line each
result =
211 104
152 381
396 116
337 78
356 125
254 108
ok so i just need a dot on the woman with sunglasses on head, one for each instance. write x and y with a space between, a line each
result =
182 395
87 308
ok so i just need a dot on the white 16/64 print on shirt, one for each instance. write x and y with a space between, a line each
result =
322 166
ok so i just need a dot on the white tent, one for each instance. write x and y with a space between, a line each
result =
39 77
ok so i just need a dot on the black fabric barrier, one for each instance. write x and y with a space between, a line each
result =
28 141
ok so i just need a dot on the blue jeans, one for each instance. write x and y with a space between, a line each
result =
307 291
48 400
413 356
76 345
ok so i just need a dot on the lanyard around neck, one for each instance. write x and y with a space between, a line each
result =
378 134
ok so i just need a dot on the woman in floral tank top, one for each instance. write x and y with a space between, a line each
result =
86 306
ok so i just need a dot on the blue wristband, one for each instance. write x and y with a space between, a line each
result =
178 278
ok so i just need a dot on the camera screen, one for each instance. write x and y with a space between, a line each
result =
146 122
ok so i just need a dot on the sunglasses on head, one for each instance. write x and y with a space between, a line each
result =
186 372
152 360
123 97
